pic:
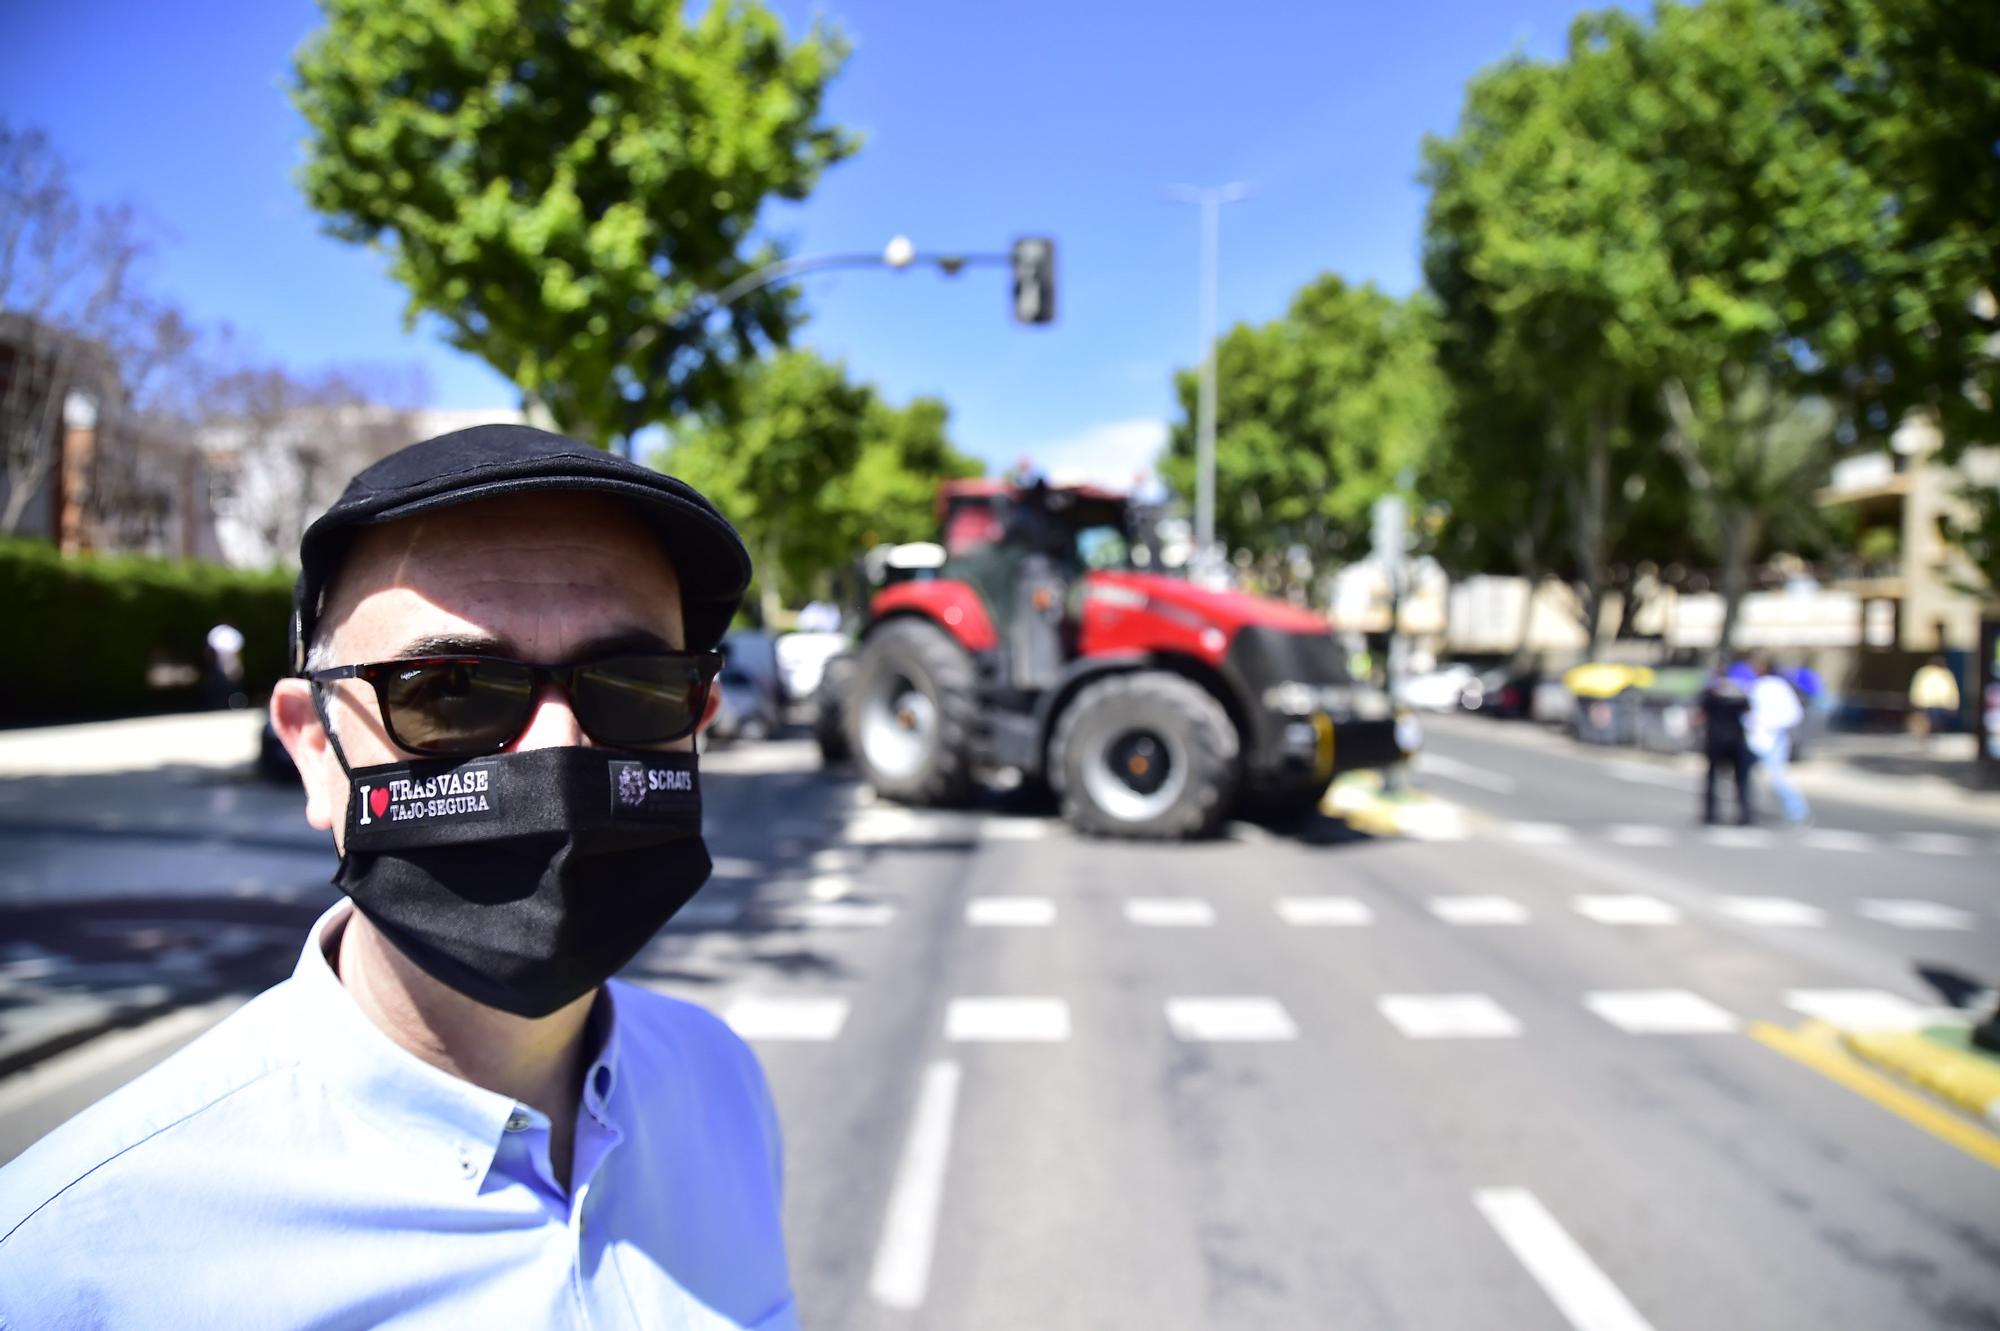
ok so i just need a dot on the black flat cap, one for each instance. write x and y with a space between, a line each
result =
487 461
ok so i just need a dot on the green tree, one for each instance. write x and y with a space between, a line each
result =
814 467
557 181
1547 268
1909 91
1756 213
1318 414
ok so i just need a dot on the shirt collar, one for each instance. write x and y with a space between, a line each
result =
460 1123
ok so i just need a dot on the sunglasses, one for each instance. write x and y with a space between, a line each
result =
465 706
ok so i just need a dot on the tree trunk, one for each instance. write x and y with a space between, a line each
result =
1522 648
770 602
1739 534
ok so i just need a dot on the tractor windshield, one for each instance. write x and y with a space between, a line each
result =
1103 547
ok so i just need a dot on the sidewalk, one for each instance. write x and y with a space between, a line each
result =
184 739
143 868
1901 772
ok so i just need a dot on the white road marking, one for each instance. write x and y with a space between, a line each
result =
1905 914
1466 774
759 1018
902 1273
1739 838
1639 834
1324 912
1859 1009
1033 1020
730 866
1659 1012
1170 912
1014 829
53 1075
841 914
1779 912
1540 834
1230 1019
1837 839
1626 909
1651 776
1479 910
829 886
832 859
1936 843
1448 1016
1010 912
1583 1294
884 823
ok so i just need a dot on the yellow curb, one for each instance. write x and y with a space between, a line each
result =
1357 799
1966 1080
1818 1046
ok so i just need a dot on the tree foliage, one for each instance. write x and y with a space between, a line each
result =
814 468
1318 413
557 181
1689 239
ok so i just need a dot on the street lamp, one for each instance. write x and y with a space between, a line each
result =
1211 200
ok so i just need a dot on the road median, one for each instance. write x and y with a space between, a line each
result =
1939 1061
1372 804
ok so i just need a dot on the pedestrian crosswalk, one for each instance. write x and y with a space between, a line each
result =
1262 1018
880 824
831 902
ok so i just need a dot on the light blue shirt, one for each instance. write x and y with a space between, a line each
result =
296 1168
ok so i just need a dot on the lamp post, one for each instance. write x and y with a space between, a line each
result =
1211 200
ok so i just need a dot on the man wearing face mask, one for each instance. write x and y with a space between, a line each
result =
451 1115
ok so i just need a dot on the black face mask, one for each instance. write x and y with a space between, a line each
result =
524 880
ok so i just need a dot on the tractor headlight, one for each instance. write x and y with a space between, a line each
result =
1291 698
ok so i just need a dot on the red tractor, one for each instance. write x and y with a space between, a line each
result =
1038 640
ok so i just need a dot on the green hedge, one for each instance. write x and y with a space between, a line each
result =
79 637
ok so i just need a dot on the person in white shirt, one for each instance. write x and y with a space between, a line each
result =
1775 712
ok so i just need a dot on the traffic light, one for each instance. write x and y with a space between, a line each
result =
1035 280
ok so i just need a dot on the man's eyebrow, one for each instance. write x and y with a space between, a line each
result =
614 644
479 644
456 644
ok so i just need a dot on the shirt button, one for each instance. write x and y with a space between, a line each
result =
516 1121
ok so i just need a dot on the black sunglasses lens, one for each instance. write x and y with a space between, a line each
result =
457 708
633 700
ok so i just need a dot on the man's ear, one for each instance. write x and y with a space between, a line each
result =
297 725
710 708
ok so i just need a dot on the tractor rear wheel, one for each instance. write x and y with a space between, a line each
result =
830 710
1145 755
912 711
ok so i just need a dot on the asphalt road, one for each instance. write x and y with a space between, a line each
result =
1508 1080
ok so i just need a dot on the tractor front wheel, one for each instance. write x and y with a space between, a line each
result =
912 711
1147 755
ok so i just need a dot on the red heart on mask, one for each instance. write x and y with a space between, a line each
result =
378 800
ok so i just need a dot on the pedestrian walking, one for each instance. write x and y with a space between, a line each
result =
1724 705
451 1115
225 668
1775 713
1934 696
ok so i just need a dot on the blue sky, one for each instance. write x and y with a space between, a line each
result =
982 123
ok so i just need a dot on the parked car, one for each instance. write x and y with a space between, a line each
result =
1502 691
802 659
1438 690
750 686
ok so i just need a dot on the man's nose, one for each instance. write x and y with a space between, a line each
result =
553 725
